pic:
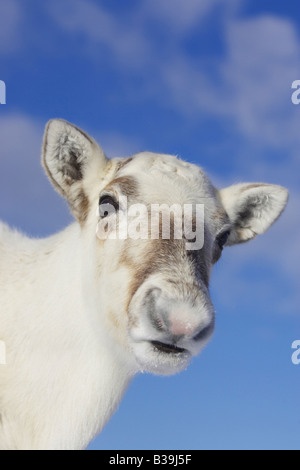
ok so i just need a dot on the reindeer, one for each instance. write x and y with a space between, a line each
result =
82 314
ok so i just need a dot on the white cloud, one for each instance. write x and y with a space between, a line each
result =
21 174
251 86
98 27
248 89
10 23
262 63
117 145
20 138
127 36
180 15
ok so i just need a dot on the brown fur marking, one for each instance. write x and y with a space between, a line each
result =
123 163
80 207
252 186
221 214
162 256
128 186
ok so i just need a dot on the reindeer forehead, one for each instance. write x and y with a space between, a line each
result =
160 164
163 177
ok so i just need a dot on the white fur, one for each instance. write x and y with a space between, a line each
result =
63 377
71 345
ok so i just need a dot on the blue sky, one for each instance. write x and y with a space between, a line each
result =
208 80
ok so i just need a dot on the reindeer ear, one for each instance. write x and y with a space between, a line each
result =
252 208
69 156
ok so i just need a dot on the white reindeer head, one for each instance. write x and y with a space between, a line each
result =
152 294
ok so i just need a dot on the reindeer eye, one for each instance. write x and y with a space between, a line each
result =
107 206
222 239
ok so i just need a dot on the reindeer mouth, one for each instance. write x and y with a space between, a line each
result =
167 348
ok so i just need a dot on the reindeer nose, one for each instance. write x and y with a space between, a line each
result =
179 318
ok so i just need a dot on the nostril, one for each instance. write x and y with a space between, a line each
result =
152 295
205 332
156 317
